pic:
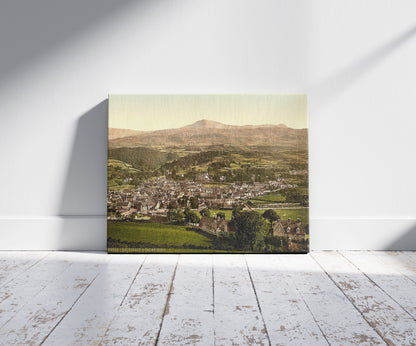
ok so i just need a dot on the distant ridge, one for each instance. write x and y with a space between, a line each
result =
120 133
204 133
200 124
204 123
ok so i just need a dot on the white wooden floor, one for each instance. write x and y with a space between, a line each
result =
336 298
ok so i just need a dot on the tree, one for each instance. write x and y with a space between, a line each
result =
251 229
237 208
194 202
182 201
176 216
171 206
296 196
190 216
205 212
305 201
193 218
271 215
221 215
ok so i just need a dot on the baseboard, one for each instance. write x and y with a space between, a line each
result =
54 233
89 233
363 234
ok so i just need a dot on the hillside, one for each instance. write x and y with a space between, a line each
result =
205 133
120 133
141 158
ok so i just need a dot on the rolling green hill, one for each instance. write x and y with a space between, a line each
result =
141 158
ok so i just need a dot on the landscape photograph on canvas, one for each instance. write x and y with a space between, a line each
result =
207 174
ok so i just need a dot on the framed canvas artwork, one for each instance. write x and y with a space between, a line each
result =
208 174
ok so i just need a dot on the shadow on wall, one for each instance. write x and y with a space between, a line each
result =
320 94
25 27
84 191
325 91
83 202
406 242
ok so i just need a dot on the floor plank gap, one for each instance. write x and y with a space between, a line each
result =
257 300
66 313
134 279
383 314
322 298
213 294
381 288
124 297
313 316
167 301
350 300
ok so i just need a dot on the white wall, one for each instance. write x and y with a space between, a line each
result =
60 59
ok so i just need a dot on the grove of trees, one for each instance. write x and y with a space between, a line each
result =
250 230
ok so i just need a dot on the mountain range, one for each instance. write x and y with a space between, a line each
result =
205 133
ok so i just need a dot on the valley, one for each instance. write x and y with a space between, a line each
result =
165 179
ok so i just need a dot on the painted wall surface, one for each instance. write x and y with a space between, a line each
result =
60 59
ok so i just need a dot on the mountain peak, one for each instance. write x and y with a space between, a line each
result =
204 123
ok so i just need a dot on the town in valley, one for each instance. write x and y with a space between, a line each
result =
208 187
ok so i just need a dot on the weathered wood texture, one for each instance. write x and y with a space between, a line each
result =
403 262
139 318
12 264
338 319
286 315
89 319
189 315
238 320
394 325
59 282
16 293
336 298
387 276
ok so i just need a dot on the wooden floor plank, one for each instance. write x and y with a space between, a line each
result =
89 319
79 299
288 319
410 254
189 318
16 293
10 259
139 318
402 261
391 322
14 263
238 320
338 319
35 320
387 276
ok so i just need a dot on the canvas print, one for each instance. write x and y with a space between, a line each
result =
208 174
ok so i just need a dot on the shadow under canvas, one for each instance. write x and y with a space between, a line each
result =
83 202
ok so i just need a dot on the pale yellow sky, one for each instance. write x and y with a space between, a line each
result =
157 112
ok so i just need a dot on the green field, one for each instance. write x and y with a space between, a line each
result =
226 212
146 237
303 214
153 235
172 250
273 197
